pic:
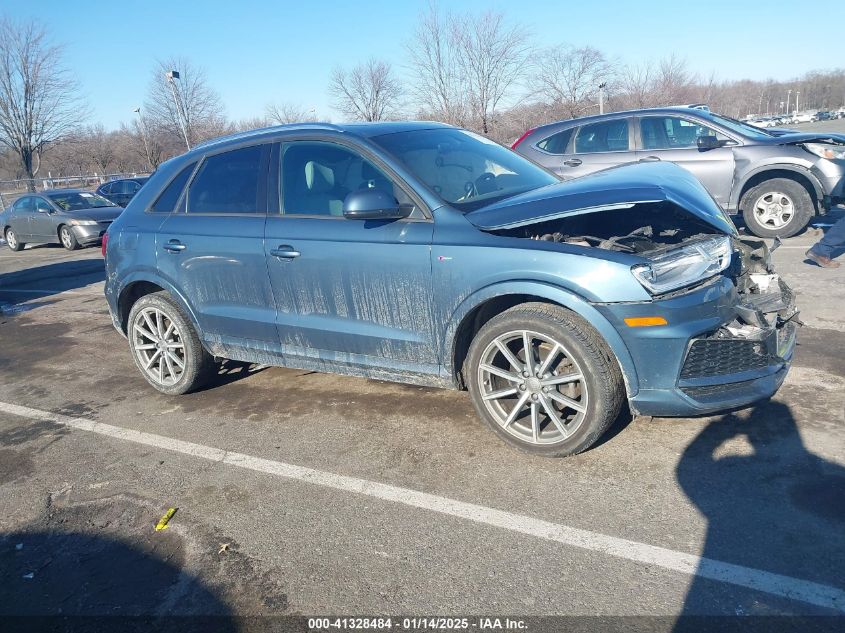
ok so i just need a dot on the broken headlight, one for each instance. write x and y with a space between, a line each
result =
826 150
685 266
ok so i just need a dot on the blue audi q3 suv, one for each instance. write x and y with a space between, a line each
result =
426 254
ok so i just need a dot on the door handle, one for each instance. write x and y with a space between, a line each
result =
572 162
650 159
174 246
285 252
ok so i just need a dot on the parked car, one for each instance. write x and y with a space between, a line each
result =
777 180
425 254
804 117
121 191
70 217
823 115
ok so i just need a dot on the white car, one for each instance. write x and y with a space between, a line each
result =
803 117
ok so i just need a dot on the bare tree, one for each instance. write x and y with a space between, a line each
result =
39 101
99 148
434 53
674 82
492 56
569 78
196 107
368 92
636 85
283 113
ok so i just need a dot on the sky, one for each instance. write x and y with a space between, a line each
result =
256 52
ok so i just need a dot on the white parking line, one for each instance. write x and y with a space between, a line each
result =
759 580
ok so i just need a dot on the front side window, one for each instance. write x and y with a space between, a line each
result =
166 202
669 132
228 183
464 169
605 136
79 200
317 177
42 205
556 143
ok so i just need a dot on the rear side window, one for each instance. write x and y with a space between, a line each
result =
606 136
227 183
106 188
168 198
556 143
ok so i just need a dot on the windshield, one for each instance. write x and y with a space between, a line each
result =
465 170
739 127
76 200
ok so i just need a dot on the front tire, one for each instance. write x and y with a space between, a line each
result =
165 346
67 238
12 240
778 207
544 380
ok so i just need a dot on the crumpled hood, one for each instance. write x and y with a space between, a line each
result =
615 188
103 214
805 137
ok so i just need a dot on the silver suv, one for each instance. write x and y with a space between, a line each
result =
777 180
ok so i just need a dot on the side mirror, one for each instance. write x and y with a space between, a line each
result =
372 204
708 142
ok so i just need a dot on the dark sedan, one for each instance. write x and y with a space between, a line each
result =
121 191
70 217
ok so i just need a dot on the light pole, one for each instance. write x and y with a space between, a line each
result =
788 95
172 75
602 86
797 94
144 136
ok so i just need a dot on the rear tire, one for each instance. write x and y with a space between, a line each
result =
569 372
67 238
779 207
165 346
12 240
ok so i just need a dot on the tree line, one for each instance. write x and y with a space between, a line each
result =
476 70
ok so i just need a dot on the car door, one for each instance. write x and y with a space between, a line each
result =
597 146
42 223
21 216
344 286
675 139
212 247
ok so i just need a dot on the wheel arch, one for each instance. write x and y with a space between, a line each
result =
802 176
135 288
484 304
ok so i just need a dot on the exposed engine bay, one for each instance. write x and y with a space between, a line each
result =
765 311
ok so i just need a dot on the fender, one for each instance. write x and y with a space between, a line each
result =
554 294
152 277
798 169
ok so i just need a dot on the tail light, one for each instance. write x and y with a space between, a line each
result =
104 243
521 138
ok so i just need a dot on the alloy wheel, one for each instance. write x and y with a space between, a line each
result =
774 210
158 346
533 387
66 237
12 239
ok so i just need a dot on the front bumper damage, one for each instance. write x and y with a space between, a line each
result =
731 345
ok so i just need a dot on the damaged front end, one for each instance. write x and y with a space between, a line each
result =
730 319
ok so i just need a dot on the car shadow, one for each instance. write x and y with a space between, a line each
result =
770 505
39 282
230 371
69 580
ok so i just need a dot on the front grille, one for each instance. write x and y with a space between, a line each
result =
719 357
721 391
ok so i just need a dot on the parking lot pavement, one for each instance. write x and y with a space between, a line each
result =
306 493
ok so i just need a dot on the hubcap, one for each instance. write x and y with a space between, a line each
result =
158 346
66 237
532 387
774 210
12 239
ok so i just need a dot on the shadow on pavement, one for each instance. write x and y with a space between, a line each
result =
57 580
770 505
49 279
